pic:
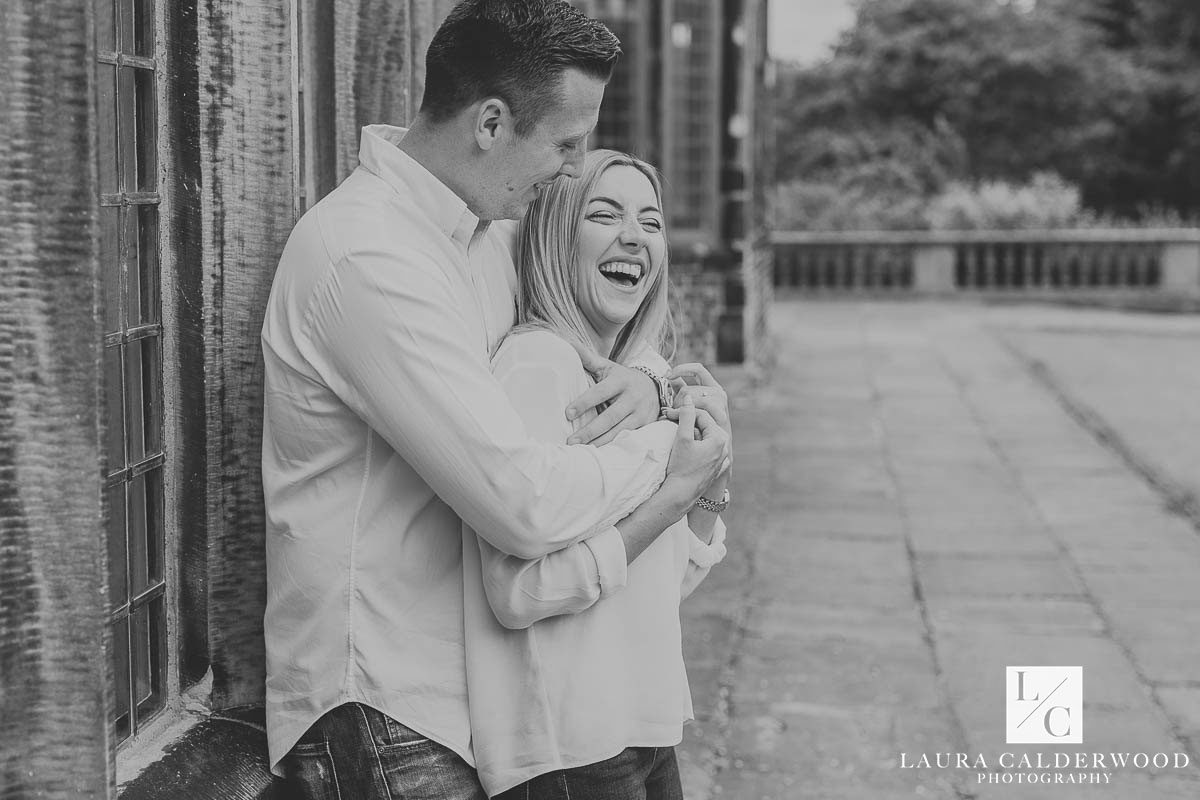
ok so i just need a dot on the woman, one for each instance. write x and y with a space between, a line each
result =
575 673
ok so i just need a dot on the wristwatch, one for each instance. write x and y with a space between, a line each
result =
715 506
666 392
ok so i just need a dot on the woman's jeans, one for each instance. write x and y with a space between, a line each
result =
636 773
356 753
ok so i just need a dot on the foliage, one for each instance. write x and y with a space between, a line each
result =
933 105
802 205
1047 201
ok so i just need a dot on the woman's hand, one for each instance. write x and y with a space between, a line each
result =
700 455
706 393
708 396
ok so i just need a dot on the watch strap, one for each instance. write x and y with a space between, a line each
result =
713 506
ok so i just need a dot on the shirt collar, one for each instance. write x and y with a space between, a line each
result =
378 153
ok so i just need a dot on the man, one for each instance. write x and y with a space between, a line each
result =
384 429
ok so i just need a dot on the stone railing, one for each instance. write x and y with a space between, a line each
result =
1163 261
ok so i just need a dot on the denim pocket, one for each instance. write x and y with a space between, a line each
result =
418 768
309 772
399 736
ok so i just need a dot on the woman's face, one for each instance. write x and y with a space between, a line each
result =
621 249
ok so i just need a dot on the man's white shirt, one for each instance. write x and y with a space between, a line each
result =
384 430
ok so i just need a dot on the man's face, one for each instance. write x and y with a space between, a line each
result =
556 146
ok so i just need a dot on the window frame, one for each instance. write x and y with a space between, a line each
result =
169 54
134 456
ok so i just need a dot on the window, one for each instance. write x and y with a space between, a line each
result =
314 103
694 94
132 368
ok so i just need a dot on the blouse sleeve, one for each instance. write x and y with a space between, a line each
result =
702 557
541 374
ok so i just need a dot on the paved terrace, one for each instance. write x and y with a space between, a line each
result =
926 493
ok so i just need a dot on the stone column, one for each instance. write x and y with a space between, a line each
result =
1181 267
933 268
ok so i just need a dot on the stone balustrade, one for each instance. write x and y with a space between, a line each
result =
1164 261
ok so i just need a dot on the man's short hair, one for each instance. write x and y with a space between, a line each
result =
515 50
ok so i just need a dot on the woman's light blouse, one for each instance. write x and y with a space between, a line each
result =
573 657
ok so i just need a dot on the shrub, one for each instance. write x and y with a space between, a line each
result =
1046 201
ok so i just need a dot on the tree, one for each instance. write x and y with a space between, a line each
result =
920 93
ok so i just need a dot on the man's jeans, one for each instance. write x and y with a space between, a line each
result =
356 753
636 773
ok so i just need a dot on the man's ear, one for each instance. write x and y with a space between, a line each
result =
493 117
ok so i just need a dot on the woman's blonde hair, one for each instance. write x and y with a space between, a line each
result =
547 245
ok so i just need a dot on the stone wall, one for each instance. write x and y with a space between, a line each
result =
248 156
758 268
697 303
54 696
228 176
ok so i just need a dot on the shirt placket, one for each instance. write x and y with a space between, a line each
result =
476 249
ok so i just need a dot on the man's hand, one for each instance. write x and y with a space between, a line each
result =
631 395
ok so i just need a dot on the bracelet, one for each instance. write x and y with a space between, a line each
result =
666 392
713 506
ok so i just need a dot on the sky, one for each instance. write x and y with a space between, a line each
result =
803 30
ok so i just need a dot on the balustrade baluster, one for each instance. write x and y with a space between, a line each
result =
1116 264
1154 272
1078 273
846 268
1092 255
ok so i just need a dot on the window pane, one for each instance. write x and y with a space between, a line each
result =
121 676
125 23
156 653
147 158
114 450
139 627
143 28
117 573
106 26
148 264
152 408
130 247
126 124
110 265
139 537
154 526
135 426
106 123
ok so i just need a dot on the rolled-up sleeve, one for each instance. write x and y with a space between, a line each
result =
524 591
389 333
541 374
702 557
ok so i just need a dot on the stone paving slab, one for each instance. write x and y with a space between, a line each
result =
997 576
1013 615
918 505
